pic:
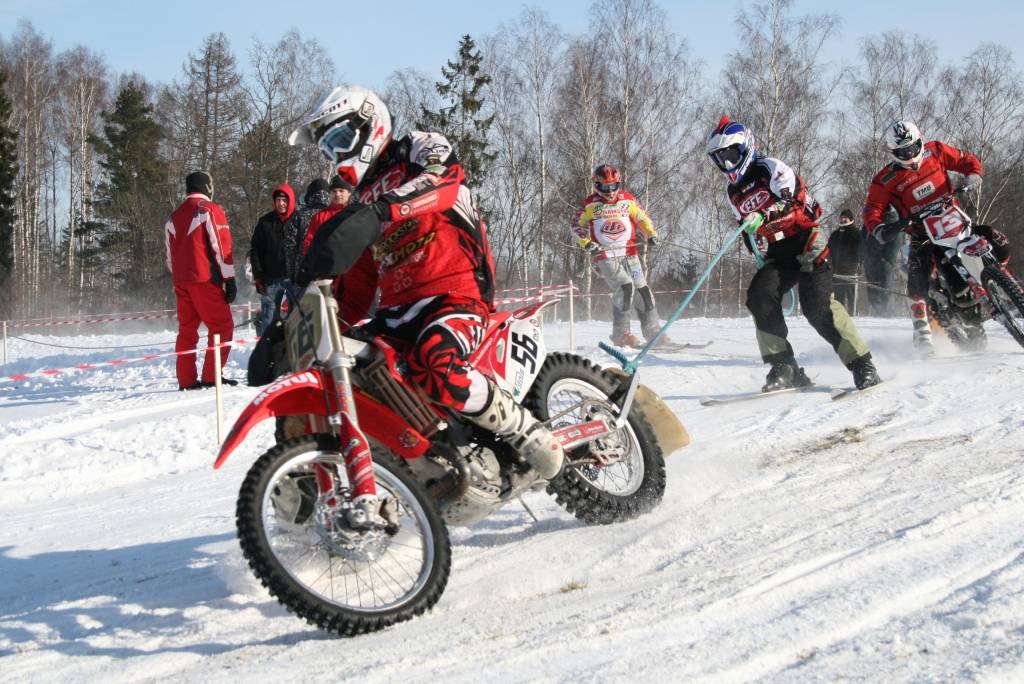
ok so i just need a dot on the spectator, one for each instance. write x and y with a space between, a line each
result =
881 266
198 244
268 253
844 246
316 199
340 196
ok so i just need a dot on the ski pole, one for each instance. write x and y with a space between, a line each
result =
752 223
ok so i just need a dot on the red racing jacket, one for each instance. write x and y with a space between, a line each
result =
907 190
198 242
612 225
434 242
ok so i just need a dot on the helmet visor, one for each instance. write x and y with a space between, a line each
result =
908 152
606 188
339 141
727 158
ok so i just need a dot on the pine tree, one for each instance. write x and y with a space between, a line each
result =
8 173
460 121
125 243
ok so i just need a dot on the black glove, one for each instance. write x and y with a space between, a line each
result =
592 247
260 287
230 290
652 240
887 232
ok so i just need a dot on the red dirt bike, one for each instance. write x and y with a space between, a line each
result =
346 525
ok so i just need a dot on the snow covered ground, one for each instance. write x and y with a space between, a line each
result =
878 538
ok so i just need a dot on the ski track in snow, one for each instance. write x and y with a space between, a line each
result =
800 539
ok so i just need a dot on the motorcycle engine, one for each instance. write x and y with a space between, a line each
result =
484 492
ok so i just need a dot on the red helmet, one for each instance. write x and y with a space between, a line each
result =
607 180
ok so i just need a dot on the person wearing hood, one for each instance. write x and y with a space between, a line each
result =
268 252
316 199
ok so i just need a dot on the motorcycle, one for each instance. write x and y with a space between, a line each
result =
346 523
968 285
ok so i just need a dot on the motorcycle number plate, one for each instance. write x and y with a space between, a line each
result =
946 225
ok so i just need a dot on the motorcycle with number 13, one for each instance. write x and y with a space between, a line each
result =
345 520
968 285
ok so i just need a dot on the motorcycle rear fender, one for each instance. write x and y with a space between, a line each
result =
303 393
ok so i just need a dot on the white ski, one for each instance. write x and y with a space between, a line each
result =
717 401
844 392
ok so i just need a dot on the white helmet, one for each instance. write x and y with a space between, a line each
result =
905 143
351 126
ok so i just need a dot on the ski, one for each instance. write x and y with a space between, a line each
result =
844 392
672 346
750 396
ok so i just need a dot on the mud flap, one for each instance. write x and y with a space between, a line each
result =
669 430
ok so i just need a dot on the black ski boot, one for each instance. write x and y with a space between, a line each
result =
864 373
785 375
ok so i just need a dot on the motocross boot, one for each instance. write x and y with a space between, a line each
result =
521 429
785 375
922 329
864 373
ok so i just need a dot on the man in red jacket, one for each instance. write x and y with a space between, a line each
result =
919 174
434 268
198 243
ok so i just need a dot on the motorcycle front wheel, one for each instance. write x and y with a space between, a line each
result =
625 477
342 578
1007 297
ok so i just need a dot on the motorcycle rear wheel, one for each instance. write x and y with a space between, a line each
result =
342 580
599 494
1007 297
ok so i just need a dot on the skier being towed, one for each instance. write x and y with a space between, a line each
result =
434 269
780 221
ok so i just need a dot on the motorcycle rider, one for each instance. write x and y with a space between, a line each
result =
607 227
781 228
919 174
435 271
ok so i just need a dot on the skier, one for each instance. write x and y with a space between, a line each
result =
607 226
920 173
198 246
435 271
780 221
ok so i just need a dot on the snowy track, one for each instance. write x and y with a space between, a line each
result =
877 538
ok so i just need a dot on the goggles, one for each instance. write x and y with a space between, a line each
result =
727 158
339 141
909 151
606 188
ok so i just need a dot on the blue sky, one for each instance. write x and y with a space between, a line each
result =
154 37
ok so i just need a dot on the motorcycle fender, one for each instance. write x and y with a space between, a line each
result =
303 393
669 430
297 393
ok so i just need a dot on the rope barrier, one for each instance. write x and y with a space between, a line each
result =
53 372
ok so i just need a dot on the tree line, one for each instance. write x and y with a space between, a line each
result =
90 164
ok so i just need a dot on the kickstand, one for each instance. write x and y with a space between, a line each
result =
535 519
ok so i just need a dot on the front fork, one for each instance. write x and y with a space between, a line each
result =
344 424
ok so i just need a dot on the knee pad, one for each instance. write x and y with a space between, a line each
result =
627 296
647 298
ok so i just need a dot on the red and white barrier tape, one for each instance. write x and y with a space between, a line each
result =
54 372
104 318
545 292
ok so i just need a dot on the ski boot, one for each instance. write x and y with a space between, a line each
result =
923 347
785 375
864 373
626 339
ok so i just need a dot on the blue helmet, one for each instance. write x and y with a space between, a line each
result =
732 148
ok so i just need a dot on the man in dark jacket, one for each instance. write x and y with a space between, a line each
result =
269 252
316 199
844 245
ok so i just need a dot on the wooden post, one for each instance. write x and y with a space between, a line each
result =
572 318
218 388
